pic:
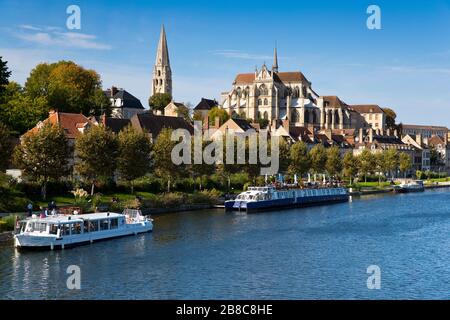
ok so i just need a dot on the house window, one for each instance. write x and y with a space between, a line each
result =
265 102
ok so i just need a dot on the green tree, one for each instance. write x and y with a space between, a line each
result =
380 164
4 75
19 111
200 170
435 157
284 155
133 159
68 87
6 147
391 160
162 157
197 116
43 156
350 164
390 118
229 165
405 163
333 163
218 112
159 101
366 163
300 161
185 111
318 156
97 151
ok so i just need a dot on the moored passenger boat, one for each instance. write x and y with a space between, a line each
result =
62 231
412 186
266 198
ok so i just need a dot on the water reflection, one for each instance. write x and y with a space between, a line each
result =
318 252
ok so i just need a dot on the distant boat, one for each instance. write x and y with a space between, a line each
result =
269 198
62 231
411 186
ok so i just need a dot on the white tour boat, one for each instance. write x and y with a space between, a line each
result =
62 231
269 198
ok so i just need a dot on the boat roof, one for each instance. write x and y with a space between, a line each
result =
76 218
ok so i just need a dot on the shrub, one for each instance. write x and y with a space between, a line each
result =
7 223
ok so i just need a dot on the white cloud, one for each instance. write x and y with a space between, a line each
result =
240 55
53 36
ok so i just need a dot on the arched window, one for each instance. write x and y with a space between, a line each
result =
159 73
258 115
263 90
265 102
336 117
259 102
304 91
294 116
266 115
306 115
296 92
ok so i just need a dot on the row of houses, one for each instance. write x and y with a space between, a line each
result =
416 141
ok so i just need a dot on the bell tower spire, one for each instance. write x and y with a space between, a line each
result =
162 74
275 60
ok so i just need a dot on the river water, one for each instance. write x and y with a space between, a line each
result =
309 253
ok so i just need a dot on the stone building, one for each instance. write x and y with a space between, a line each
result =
372 114
426 131
273 95
123 104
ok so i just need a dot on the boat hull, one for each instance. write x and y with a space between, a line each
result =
33 242
254 206
409 190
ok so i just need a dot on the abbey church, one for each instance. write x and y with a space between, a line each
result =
273 95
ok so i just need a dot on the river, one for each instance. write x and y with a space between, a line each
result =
308 253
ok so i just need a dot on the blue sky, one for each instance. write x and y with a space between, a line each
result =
405 65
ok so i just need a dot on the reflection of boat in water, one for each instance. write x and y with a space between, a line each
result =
411 186
62 231
265 198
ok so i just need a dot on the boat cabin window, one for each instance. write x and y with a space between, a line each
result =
104 224
36 227
65 229
86 227
53 228
76 228
114 223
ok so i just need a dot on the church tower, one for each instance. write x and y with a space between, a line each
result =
275 61
162 75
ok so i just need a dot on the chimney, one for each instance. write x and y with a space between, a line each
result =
113 91
419 139
206 123
217 123
370 135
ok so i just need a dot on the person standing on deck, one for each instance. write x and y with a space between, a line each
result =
30 209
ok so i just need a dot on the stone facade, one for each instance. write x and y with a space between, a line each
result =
273 95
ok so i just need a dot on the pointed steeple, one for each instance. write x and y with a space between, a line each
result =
162 55
162 74
275 60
